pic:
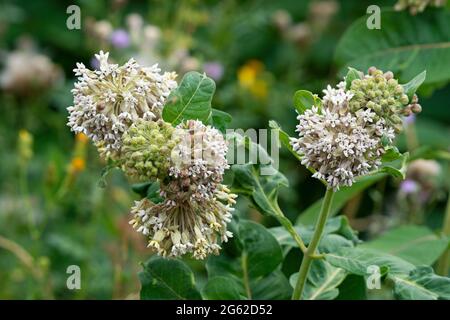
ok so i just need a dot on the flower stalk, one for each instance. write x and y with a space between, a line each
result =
310 253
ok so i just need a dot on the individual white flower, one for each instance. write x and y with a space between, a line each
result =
107 101
338 144
175 228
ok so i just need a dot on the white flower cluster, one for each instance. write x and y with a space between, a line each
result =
193 217
338 144
120 109
191 227
198 161
107 101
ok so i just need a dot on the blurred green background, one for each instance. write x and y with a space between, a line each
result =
56 209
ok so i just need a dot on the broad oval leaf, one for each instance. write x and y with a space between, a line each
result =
221 288
357 261
405 44
323 280
421 284
262 253
416 244
167 279
190 100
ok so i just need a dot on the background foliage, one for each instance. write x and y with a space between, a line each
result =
57 209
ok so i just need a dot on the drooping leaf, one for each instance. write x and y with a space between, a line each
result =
416 244
421 284
221 288
412 86
405 44
323 280
167 279
190 100
262 190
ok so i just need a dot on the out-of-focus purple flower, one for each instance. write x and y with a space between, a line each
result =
409 186
410 119
120 38
95 63
214 70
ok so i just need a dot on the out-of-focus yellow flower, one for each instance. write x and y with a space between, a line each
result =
248 73
25 146
249 77
259 88
81 137
77 164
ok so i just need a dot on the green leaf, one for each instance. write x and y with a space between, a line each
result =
323 280
304 100
191 100
396 168
309 216
257 154
284 138
255 269
357 261
262 253
274 286
352 288
220 120
391 154
221 288
416 244
405 44
167 279
261 189
337 233
352 74
150 190
412 86
421 284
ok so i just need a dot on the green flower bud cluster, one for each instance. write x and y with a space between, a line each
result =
147 146
381 93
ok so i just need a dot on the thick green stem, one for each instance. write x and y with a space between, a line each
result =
444 262
311 250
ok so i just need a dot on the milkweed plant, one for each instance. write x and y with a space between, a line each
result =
173 147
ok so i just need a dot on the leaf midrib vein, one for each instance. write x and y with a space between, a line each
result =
190 99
